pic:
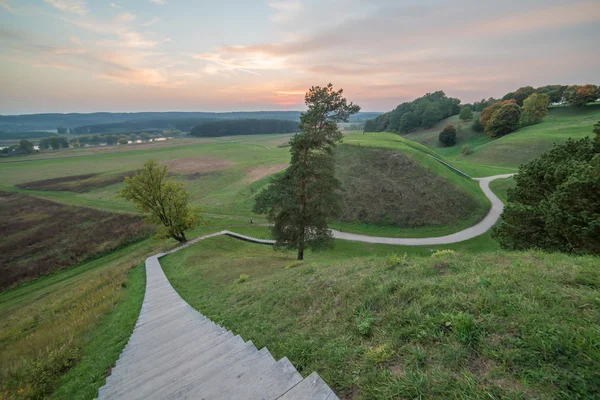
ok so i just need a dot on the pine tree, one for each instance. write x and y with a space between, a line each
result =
304 198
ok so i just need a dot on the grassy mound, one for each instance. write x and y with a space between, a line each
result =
495 325
387 187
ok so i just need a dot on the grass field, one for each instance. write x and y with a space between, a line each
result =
494 325
508 152
376 321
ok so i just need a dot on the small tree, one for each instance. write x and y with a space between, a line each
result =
302 200
465 150
505 120
132 137
448 136
123 140
476 125
144 136
163 201
466 113
26 145
535 108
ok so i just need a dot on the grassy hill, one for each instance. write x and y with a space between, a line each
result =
494 325
389 183
516 148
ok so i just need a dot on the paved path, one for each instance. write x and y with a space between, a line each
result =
478 229
177 353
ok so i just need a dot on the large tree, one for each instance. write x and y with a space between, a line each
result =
579 96
26 145
163 201
304 198
535 108
555 205
504 120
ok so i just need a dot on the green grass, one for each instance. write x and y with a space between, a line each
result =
500 187
494 325
504 155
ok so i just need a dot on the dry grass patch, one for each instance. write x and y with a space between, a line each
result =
41 236
257 173
76 183
191 165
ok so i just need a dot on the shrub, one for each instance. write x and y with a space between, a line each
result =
477 126
243 278
123 140
466 150
465 113
448 136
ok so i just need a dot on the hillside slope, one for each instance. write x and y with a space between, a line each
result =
516 148
495 325
394 187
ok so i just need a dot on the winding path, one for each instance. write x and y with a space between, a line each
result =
478 229
177 353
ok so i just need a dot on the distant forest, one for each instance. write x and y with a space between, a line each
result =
423 112
116 123
244 127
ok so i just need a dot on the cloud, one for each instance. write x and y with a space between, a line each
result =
160 2
76 40
8 8
151 22
71 6
124 18
133 40
115 5
285 10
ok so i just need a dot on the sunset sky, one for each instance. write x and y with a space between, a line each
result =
184 55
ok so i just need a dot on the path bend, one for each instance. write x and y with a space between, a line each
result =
478 229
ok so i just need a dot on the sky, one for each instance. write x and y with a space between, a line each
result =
248 55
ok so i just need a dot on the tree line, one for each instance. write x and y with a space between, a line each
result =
423 112
244 127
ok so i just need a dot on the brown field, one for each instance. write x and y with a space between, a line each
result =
76 183
192 165
257 173
41 236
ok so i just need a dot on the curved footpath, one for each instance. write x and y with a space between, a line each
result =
478 229
177 353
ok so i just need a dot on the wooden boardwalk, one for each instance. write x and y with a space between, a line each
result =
177 353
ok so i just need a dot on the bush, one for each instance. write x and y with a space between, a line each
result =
123 140
466 150
465 114
477 126
448 136
505 120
